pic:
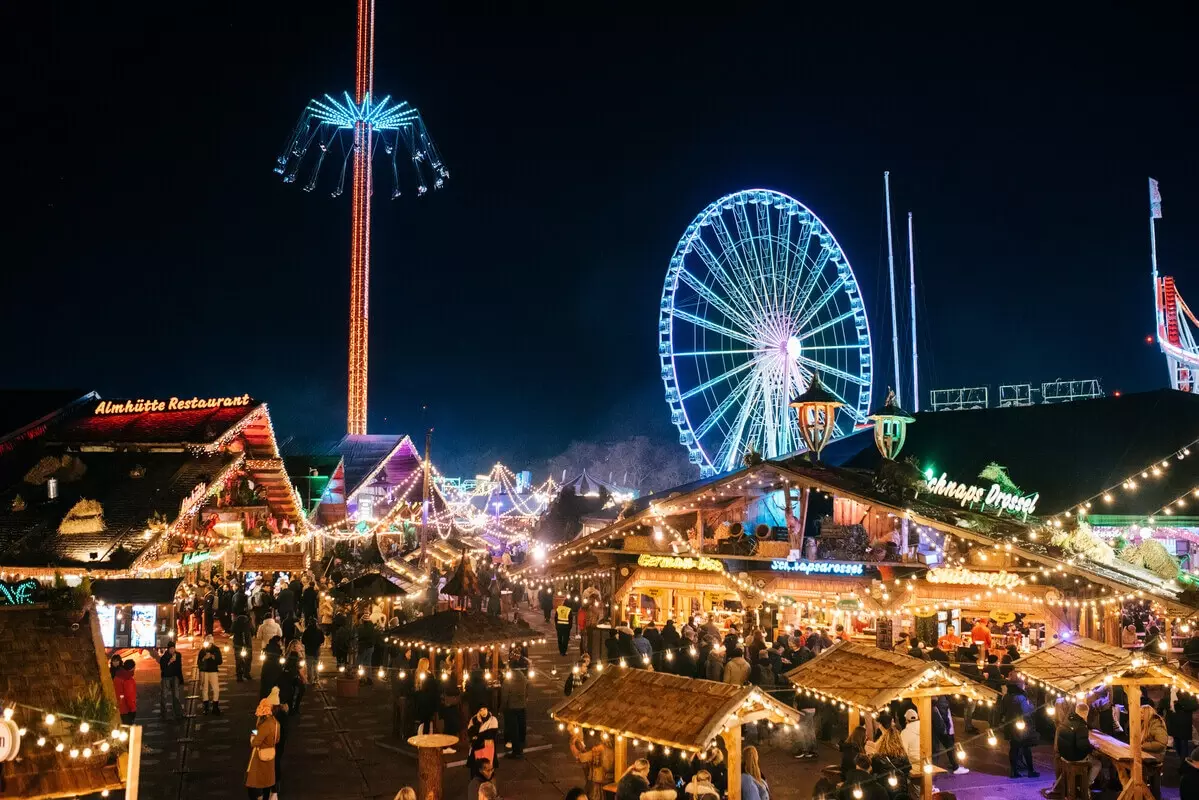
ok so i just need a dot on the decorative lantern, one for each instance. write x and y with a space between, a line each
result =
817 409
890 426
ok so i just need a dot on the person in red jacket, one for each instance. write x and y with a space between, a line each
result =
126 686
980 634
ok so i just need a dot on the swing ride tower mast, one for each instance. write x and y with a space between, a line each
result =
360 225
355 129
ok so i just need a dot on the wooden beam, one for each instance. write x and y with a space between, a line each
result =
924 707
732 743
622 756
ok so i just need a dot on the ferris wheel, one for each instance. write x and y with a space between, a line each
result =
758 298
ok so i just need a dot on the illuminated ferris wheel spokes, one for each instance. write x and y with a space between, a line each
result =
758 298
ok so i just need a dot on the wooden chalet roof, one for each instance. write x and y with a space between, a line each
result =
461 630
30 529
670 710
1081 664
869 678
47 665
1066 452
859 485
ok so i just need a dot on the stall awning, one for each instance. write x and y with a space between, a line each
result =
136 590
273 562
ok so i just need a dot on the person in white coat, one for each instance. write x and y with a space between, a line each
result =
268 630
911 736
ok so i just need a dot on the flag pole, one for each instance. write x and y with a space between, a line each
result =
912 282
891 270
1155 213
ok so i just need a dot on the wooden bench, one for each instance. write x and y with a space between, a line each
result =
1120 755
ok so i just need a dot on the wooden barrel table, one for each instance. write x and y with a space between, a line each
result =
430 765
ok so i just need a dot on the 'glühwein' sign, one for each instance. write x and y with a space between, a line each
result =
141 406
680 562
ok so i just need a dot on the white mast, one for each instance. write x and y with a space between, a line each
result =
1155 212
891 269
912 281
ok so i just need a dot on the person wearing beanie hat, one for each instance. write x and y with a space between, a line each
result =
265 745
209 661
1073 742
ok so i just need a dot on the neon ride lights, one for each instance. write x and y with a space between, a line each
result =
818 567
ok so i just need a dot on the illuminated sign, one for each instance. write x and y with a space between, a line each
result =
197 557
680 562
18 594
197 494
818 567
995 497
10 739
145 621
968 577
141 406
107 616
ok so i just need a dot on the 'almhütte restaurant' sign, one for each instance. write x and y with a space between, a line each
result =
174 404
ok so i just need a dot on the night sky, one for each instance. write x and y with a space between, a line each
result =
150 250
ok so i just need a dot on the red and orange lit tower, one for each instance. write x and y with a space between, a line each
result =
360 128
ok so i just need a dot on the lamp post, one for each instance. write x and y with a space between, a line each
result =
817 409
890 427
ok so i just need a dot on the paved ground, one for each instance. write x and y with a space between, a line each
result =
344 748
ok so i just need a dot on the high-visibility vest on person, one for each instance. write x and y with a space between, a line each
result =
564 614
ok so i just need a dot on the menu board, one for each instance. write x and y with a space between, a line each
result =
145 623
884 633
107 616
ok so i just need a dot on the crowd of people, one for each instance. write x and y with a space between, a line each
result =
287 625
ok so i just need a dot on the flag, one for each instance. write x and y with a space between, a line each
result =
1155 200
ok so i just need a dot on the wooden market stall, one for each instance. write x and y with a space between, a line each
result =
863 679
683 714
1079 666
462 633
136 612
51 660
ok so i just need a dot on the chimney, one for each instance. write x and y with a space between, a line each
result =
52 489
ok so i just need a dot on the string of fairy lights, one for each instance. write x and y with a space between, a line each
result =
1129 485
79 738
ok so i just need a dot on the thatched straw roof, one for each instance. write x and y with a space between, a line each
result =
462 630
669 710
1079 665
864 676
49 663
